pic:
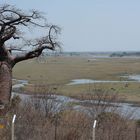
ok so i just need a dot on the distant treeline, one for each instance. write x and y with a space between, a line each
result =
122 54
96 54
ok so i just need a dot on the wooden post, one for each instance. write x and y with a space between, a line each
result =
94 126
55 131
136 132
13 123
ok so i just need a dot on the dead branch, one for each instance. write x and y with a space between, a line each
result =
11 22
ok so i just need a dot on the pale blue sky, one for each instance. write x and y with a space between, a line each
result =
92 25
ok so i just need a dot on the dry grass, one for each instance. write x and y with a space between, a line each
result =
61 70
33 124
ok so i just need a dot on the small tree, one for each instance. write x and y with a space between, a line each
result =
12 22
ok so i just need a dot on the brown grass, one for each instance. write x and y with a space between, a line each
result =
61 70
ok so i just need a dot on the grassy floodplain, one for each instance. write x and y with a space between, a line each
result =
61 70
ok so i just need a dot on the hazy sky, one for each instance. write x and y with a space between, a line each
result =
91 25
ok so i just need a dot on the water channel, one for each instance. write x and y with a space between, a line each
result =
131 78
123 107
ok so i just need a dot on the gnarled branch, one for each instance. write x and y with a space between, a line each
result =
31 54
12 18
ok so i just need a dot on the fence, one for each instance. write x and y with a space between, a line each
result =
46 129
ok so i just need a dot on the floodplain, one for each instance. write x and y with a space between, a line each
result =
59 71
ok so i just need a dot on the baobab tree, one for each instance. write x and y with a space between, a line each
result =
13 22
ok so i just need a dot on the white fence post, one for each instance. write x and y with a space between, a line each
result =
94 126
13 123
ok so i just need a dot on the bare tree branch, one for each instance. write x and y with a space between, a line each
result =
11 18
32 54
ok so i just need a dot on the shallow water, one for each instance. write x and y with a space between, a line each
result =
89 81
131 78
123 107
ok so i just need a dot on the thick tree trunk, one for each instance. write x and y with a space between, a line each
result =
5 82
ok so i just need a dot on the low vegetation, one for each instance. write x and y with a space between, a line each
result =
59 71
45 118
42 120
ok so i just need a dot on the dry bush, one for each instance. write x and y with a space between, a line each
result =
74 125
32 124
111 126
112 123
43 118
